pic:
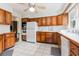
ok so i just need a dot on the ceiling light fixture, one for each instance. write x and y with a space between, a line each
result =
31 9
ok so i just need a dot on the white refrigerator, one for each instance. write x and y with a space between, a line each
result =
31 32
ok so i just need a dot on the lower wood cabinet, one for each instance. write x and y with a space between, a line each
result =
9 40
43 39
74 49
1 44
48 37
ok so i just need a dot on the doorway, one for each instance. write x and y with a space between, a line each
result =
13 28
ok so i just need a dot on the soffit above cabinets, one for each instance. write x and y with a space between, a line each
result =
51 9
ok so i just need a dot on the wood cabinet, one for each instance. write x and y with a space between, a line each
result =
74 49
24 19
2 16
9 40
48 21
53 20
42 35
39 21
65 19
5 17
59 40
48 37
43 21
56 37
8 18
1 44
59 20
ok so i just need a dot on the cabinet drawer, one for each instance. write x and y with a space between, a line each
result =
74 49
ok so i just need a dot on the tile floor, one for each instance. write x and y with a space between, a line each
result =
35 49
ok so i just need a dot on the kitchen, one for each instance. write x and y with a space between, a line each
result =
52 29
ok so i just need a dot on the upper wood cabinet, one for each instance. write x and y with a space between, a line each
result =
43 21
24 19
59 20
5 17
62 19
35 20
48 21
53 20
2 16
8 18
39 22
65 19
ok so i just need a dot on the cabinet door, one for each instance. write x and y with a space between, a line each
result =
59 20
9 40
43 21
65 19
42 34
38 39
54 21
49 38
1 44
8 18
2 16
35 20
58 37
39 22
24 20
48 21
12 41
74 49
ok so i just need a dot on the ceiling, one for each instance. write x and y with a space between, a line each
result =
51 9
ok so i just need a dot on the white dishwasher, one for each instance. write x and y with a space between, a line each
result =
64 46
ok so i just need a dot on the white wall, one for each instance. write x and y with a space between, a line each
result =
74 15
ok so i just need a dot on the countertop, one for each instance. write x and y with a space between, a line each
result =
70 35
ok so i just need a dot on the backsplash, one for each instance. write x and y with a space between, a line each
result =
4 29
51 28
